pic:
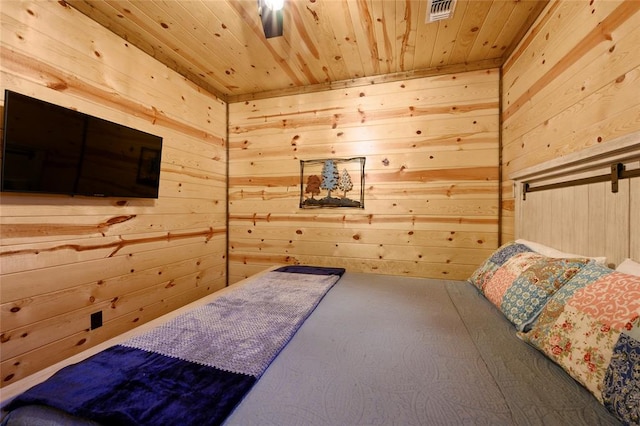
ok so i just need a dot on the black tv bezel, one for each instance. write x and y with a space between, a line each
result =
74 193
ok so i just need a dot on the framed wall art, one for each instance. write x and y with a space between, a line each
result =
332 182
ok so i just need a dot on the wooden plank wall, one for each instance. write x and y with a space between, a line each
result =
573 82
64 258
431 177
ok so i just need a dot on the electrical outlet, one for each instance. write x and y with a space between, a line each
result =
96 320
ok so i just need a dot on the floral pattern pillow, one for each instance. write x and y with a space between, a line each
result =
522 286
621 393
590 327
503 278
484 273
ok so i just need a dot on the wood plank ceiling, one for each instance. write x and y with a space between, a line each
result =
221 47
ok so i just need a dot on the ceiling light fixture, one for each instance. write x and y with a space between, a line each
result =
274 4
271 15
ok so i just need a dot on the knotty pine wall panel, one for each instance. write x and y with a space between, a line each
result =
573 82
63 258
431 177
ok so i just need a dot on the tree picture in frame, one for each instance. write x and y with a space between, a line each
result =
332 182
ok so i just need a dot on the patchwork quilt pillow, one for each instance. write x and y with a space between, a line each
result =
521 287
591 328
505 252
555 253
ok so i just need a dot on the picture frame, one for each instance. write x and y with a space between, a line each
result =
336 178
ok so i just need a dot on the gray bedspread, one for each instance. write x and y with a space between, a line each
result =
383 350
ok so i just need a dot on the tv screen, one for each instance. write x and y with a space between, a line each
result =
56 150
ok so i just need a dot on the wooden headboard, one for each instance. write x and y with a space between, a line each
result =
587 202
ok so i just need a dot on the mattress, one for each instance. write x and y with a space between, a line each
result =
382 350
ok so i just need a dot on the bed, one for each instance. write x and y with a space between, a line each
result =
408 351
505 347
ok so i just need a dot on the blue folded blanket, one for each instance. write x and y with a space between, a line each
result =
195 368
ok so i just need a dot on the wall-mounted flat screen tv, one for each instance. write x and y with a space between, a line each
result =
55 150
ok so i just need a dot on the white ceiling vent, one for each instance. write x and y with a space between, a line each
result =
439 10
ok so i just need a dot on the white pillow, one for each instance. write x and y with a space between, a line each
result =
630 267
551 252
